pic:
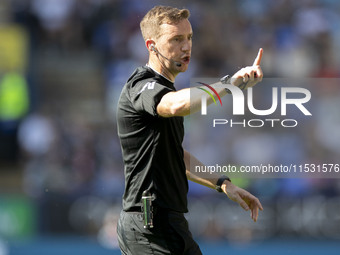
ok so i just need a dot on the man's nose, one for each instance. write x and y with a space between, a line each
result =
186 46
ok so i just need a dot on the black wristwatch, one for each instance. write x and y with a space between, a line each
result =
225 79
220 182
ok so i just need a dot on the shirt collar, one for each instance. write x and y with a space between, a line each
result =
147 64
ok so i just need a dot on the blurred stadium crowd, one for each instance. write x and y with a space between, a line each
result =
63 64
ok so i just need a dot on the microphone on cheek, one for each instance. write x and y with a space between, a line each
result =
178 64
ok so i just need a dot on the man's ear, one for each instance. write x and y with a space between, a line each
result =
150 44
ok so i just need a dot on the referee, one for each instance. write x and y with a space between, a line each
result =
150 127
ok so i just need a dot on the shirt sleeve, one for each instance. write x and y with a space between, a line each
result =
146 95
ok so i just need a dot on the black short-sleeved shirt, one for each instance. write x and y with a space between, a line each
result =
151 145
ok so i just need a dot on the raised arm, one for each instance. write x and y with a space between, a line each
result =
187 101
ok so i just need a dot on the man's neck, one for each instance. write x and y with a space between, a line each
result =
161 70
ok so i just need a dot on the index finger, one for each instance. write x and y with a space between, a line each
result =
258 58
258 203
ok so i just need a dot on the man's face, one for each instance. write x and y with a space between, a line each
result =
175 43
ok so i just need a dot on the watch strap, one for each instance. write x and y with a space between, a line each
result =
220 182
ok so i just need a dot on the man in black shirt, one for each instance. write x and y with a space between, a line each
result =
150 127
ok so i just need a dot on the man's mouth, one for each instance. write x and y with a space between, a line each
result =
185 59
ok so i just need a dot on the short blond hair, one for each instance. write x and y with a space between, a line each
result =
158 15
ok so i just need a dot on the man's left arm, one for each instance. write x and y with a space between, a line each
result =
246 200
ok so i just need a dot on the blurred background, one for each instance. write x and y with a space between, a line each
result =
62 66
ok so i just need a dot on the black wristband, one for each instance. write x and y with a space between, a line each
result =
220 182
